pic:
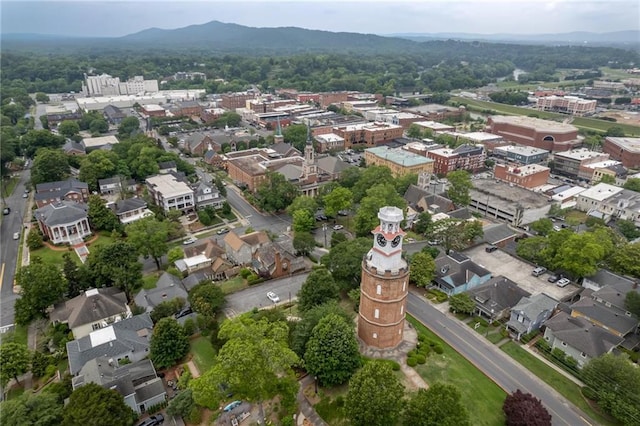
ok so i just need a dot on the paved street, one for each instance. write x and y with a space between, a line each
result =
259 221
11 223
493 362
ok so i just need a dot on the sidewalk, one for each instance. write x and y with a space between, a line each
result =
306 409
552 365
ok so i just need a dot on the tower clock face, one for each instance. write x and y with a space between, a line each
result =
382 241
396 241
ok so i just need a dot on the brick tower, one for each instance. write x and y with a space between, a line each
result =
384 285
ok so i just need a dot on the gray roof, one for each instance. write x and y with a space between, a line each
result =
150 390
113 111
455 269
290 171
71 145
597 312
61 213
187 104
497 294
331 165
582 335
91 306
462 213
532 306
168 287
414 194
167 165
605 277
615 294
130 335
129 204
195 139
439 204
115 179
193 280
69 184
494 234
284 149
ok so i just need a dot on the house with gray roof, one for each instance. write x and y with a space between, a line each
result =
456 273
72 147
94 309
495 298
603 278
128 340
603 316
116 185
579 338
277 259
63 190
207 194
499 234
167 167
168 287
284 149
529 314
138 383
197 143
64 222
113 114
131 209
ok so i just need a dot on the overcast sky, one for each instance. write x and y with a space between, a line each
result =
113 18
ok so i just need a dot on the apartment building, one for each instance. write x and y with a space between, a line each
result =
399 161
534 132
171 192
232 101
329 142
592 198
526 176
106 85
464 157
566 104
521 154
626 150
369 134
568 163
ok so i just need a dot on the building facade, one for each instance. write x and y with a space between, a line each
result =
369 134
521 154
64 222
170 192
464 157
399 161
535 132
625 150
526 176
566 104
568 163
384 285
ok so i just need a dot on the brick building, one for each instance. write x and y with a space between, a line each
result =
235 100
566 104
526 176
188 108
625 150
465 157
399 161
153 110
569 163
369 134
535 132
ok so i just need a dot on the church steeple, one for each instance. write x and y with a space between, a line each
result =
277 138
309 167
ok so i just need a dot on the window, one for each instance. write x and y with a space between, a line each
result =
376 313
401 310
378 289
375 335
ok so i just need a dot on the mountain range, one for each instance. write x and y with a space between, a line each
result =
222 37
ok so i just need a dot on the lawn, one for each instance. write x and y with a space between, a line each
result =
582 122
54 257
9 185
480 395
560 383
576 215
149 281
236 283
203 354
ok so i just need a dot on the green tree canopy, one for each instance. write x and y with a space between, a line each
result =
91 404
462 302
377 196
439 405
318 288
36 139
340 198
303 221
459 186
42 285
632 184
100 216
149 236
276 193
169 343
423 224
115 264
301 330
303 242
98 164
15 360
580 254
128 127
542 226
29 409
332 353
174 254
206 298
296 135
374 396
303 202
628 228
49 165
344 261
373 175
68 128
423 269
632 302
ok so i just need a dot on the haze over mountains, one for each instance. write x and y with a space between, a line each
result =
222 37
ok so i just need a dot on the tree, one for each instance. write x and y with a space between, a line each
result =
374 396
73 275
92 404
149 237
39 363
68 128
632 302
115 264
174 254
543 226
332 353
34 239
301 330
303 221
42 285
456 234
611 180
275 193
377 196
344 261
628 229
615 131
99 125
523 409
169 343
350 177
303 242
42 97
100 216
632 184
580 254
625 260
168 308
206 298
414 131
29 409
128 127
338 199
15 360
49 165
318 288
99 164
616 383
459 186
424 224
462 303
182 405
255 349
337 238
296 135
423 269
439 405
303 202
373 175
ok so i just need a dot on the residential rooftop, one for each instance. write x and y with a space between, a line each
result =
168 185
99 141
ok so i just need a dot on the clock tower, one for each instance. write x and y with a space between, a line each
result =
384 285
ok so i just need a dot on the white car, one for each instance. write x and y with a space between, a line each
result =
563 282
189 240
16 236
337 227
273 297
556 228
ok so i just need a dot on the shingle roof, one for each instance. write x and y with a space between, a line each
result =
71 145
604 277
582 335
168 287
196 139
61 213
167 165
193 280
455 269
414 194
255 238
597 312
129 204
497 233
331 165
91 306
532 306
233 241
615 294
497 294
69 184
284 149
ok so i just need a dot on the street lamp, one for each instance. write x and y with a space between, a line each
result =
316 383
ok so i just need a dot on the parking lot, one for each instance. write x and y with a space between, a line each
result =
518 271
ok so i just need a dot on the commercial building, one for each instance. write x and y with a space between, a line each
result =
464 157
592 198
99 142
329 142
435 127
566 104
594 172
526 176
369 134
521 154
568 163
171 192
232 101
534 132
106 85
399 161
626 150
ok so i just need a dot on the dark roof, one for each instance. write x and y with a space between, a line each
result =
615 294
91 306
331 165
465 150
497 294
493 234
61 212
284 149
456 269
167 165
605 277
598 312
532 306
71 145
113 112
193 280
462 213
439 204
129 204
69 184
168 287
196 139
582 335
413 195
188 104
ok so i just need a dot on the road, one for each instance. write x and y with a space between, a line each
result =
259 221
489 359
11 223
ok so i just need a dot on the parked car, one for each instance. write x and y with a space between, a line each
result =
337 227
320 217
231 406
273 297
16 236
190 240
538 271
222 231
25 195
343 213
556 228
563 282
184 312
491 248
553 278
153 420
6 211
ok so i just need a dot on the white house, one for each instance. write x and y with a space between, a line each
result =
64 222
171 192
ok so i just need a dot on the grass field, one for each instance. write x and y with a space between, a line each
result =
236 283
54 257
203 354
9 185
560 383
580 122
480 395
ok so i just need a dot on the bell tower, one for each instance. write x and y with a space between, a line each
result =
309 167
384 284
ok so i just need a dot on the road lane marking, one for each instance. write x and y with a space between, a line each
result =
2 274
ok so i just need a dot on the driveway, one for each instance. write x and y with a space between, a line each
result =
519 271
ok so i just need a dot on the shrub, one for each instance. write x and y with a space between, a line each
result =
438 349
421 359
589 393
425 350
245 273
412 362
423 338
339 401
543 345
189 327
412 353
504 332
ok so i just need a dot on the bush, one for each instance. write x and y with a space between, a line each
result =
422 338
438 349
589 393
504 332
421 359
543 345
529 336
412 353
245 273
425 351
412 362
189 327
